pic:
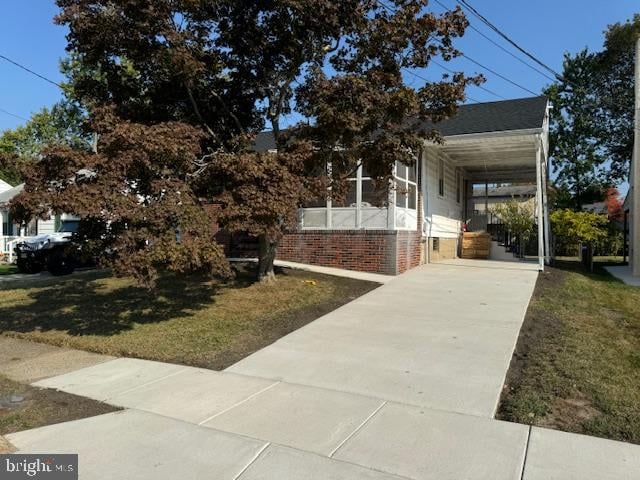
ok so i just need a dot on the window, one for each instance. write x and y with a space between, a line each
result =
406 186
441 177
351 200
458 186
436 244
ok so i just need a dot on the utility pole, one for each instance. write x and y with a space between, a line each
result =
635 173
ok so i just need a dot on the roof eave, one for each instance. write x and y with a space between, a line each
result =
497 133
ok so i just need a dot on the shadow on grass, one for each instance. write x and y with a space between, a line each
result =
90 306
599 273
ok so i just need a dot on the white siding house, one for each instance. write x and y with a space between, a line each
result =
10 232
494 143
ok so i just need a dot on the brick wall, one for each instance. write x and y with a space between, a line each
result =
408 250
361 250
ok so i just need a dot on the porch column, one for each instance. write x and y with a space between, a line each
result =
545 204
539 206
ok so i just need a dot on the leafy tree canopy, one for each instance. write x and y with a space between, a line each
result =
592 121
616 66
579 227
231 68
59 125
517 216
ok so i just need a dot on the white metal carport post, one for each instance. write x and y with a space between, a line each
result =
539 203
545 199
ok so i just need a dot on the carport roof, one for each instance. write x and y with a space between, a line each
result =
501 116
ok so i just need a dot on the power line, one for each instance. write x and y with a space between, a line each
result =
429 81
466 4
7 112
558 76
479 86
505 78
481 33
27 69
490 70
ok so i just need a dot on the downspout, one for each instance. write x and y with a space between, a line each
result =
425 201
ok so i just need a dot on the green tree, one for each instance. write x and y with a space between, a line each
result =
579 228
518 217
231 68
576 150
62 124
615 81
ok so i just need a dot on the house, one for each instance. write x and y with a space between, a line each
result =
596 207
495 143
11 231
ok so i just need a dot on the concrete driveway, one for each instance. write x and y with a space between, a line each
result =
439 336
400 384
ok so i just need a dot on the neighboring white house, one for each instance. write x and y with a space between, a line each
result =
11 231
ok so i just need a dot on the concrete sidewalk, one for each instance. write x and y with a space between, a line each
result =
400 384
183 422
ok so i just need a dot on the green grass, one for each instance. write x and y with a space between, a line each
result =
577 363
185 320
7 269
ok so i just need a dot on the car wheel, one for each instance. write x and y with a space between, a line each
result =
29 266
59 264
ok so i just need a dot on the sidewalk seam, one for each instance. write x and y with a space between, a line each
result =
253 460
358 428
239 403
146 384
526 452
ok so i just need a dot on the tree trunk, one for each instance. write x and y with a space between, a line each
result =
266 256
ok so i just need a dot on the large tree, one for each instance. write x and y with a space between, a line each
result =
61 124
231 68
592 122
576 150
615 82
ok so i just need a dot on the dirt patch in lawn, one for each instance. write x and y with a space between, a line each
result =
189 320
576 365
23 407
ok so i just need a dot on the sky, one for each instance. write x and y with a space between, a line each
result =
547 28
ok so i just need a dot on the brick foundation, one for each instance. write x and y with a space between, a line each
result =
376 251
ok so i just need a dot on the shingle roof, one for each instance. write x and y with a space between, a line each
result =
505 115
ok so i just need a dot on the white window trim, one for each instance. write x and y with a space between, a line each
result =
358 208
406 183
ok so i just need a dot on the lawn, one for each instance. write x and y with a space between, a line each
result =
187 320
7 269
23 407
577 363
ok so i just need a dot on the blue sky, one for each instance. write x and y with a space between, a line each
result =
547 28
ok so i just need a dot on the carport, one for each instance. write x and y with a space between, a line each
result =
514 156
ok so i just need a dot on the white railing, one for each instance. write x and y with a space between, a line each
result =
7 246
